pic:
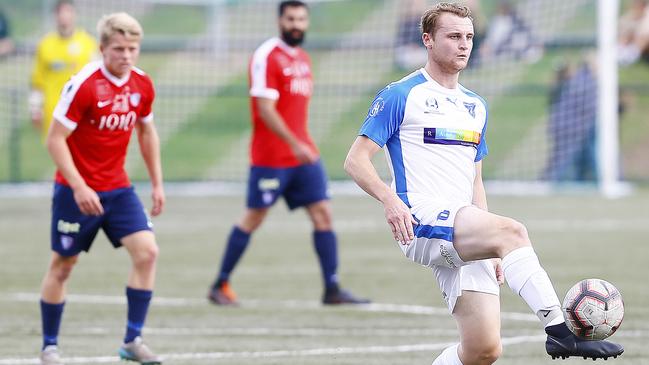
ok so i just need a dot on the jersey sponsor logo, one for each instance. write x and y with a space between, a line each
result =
451 136
301 86
67 227
470 107
101 104
118 121
452 100
377 107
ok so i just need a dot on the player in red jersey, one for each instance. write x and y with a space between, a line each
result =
284 158
93 121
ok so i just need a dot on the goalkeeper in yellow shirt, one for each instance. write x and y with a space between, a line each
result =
59 55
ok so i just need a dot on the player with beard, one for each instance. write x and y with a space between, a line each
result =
284 159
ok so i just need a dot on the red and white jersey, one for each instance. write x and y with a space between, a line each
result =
282 73
102 110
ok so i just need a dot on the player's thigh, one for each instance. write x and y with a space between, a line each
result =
125 215
308 185
479 234
265 185
71 231
478 319
320 214
252 218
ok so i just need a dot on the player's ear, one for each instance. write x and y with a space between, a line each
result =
427 39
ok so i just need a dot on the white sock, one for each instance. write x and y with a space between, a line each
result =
449 356
528 279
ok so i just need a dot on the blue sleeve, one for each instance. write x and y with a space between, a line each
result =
384 116
483 150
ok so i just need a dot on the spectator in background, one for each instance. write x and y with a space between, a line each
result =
409 51
634 33
6 44
59 55
573 113
508 35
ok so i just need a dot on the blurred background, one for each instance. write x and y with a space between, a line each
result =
533 62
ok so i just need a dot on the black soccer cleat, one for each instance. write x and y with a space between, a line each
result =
572 345
341 296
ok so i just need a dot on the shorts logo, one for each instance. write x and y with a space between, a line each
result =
148 219
268 184
66 227
267 197
443 215
447 256
67 242
377 107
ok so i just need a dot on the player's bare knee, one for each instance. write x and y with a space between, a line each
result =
147 256
61 268
515 236
485 353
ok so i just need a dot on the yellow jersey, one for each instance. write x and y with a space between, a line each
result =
57 59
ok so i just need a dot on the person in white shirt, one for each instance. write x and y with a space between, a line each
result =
433 132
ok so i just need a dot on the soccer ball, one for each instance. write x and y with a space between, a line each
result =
593 309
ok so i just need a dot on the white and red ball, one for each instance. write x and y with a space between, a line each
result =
593 309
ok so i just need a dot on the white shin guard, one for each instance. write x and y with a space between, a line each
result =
528 279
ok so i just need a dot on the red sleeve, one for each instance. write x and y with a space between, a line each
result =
147 100
264 76
76 98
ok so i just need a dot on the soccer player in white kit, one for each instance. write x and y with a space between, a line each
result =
433 132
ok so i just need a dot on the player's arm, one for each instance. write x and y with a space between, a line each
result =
36 94
86 198
150 150
479 193
359 167
274 121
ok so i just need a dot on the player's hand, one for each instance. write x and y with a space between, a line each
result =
158 198
37 119
400 220
88 201
498 267
304 153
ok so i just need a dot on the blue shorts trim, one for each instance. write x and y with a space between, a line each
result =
299 186
73 232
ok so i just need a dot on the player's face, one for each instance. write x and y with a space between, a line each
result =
120 54
451 46
293 24
65 19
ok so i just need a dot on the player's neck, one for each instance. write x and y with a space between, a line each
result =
444 78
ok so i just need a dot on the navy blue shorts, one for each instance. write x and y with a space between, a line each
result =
73 232
300 186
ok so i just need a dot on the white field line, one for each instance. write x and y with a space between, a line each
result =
279 353
302 353
298 304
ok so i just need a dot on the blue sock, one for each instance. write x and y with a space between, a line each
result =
326 248
237 243
138 306
51 319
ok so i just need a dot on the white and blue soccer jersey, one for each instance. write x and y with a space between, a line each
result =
432 137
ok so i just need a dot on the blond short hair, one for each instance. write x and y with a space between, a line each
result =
429 19
121 23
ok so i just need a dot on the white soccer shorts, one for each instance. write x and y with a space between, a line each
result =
433 247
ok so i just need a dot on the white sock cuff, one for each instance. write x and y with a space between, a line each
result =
449 356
